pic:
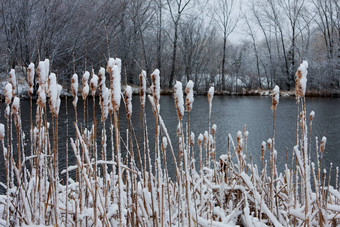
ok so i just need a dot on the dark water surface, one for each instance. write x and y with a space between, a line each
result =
230 114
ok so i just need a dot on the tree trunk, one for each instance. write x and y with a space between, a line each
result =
172 74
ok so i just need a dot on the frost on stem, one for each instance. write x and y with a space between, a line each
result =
189 90
275 97
74 88
128 101
164 143
179 100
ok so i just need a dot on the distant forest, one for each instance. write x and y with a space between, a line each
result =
184 39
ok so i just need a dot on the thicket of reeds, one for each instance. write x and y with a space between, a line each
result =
136 190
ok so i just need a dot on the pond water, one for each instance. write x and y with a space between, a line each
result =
230 114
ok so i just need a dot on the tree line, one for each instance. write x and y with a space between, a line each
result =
185 39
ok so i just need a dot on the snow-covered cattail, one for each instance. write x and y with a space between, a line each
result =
213 129
239 141
30 78
301 79
8 93
16 105
275 97
106 101
179 100
2 131
74 88
155 87
114 69
128 101
54 93
192 139
205 139
189 90
13 80
263 149
311 115
101 77
323 144
142 79
211 94
269 144
200 139
94 84
86 88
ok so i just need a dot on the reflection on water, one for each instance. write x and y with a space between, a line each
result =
230 114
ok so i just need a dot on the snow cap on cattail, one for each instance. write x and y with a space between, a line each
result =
179 100
128 101
30 78
275 97
13 80
211 94
189 90
142 80
8 93
54 93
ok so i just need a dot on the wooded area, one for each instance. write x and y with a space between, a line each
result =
185 39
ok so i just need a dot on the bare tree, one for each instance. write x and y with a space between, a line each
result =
226 22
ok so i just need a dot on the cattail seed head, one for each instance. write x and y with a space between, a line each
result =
85 90
128 101
30 78
155 87
269 144
179 100
94 83
323 144
2 131
190 95
12 80
142 79
213 129
200 139
211 94
192 139
74 88
275 97
164 143
8 93
311 116
263 149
